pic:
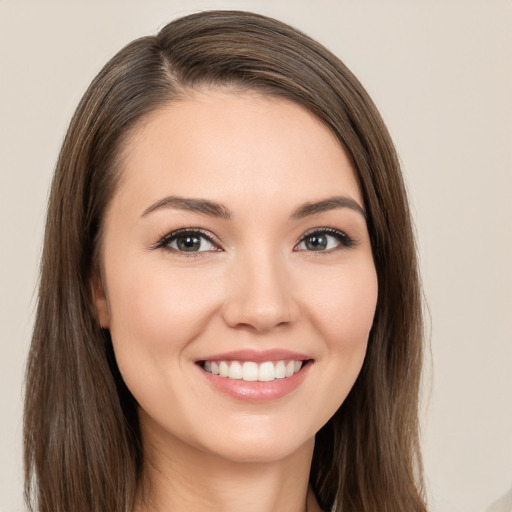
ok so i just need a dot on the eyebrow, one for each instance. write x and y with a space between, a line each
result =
331 203
214 209
204 206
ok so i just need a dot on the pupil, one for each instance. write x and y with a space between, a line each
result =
188 243
316 243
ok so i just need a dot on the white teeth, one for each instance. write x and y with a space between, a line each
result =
251 371
280 370
235 370
266 372
223 369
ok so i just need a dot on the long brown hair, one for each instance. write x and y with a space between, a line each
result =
83 450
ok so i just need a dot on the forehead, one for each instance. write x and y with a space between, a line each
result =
226 145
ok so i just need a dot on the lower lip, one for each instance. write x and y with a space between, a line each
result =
257 391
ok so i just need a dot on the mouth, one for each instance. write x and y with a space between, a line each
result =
254 371
254 375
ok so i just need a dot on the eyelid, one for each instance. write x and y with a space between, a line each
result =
165 240
345 240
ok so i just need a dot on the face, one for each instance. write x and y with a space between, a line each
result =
237 277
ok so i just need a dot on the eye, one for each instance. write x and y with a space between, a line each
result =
326 239
188 241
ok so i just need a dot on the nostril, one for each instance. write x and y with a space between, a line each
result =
245 316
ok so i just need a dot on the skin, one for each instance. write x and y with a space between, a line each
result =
257 286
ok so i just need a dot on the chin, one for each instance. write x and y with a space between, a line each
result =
259 449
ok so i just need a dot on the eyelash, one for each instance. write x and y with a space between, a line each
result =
165 241
345 241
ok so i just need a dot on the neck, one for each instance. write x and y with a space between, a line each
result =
182 478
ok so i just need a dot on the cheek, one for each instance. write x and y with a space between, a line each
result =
155 315
342 311
159 305
343 305
340 308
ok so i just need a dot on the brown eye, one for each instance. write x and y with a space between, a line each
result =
324 240
188 241
316 242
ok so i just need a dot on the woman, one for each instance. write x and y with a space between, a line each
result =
229 314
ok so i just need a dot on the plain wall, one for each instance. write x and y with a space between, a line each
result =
441 74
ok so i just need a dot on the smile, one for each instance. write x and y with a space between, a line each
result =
256 376
251 371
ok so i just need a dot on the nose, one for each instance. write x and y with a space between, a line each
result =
260 295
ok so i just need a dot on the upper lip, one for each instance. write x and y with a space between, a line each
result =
258 356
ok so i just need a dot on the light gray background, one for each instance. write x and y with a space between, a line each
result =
440 71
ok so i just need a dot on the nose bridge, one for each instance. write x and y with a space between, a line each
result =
260 295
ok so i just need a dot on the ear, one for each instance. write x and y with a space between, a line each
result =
100 301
